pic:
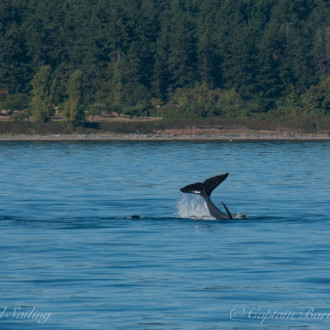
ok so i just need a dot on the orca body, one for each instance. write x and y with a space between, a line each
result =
205 189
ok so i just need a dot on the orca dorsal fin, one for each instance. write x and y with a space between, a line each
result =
212 183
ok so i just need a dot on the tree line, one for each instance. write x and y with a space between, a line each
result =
177 58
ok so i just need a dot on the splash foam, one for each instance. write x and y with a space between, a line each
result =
192 207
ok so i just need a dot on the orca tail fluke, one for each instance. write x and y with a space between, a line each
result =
195 188
205 188
212 183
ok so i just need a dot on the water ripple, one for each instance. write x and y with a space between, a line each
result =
98 235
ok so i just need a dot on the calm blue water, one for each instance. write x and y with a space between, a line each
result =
72 259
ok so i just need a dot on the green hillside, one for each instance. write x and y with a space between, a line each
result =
265 59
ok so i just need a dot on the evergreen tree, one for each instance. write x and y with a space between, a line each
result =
182 45
117 82
72 106
15 69
270 74
161 76
209 50
42 107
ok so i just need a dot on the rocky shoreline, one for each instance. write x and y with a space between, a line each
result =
183 135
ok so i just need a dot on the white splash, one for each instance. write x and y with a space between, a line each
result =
192 207
240 216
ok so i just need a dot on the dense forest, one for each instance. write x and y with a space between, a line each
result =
172 58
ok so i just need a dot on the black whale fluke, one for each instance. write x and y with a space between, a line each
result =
195 188
205 189
212 183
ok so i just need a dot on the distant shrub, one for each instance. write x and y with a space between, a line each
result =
21 115
96 109
317 99
17 101
116 108
203 102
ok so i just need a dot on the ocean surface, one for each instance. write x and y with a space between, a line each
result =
97 235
